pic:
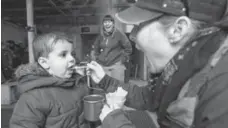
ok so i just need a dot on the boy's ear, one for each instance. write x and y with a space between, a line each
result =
43 62
179 29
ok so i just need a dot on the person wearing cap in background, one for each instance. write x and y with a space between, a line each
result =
112 49
187 41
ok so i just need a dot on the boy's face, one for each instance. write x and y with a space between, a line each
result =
60 61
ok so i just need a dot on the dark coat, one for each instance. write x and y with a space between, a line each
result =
211 110
47 101
111 49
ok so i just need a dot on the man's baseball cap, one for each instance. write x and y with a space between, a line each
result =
210 11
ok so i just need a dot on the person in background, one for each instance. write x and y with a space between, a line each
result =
49 92
185 40
112 49
7 56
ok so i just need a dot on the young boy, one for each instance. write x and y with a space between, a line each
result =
50 96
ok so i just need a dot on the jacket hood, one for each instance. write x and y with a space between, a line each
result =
32 76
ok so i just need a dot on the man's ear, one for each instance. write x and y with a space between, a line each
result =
43 62
179 29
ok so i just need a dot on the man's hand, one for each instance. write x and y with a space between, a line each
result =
114 101
117 98
105 111
96 71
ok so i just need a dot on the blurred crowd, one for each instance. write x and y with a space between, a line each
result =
13 54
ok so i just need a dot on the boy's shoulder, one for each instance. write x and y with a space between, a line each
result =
32 97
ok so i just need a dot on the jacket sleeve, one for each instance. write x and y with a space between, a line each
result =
96 47
213 105
117 119
28 113
137 97
128 119
126 44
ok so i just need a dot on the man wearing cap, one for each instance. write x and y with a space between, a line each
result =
185 40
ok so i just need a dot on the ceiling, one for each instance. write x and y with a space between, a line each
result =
74 12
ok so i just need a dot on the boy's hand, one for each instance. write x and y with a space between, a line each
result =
96 71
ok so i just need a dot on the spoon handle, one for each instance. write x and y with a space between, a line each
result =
88 81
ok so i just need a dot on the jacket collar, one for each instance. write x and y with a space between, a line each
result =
32 76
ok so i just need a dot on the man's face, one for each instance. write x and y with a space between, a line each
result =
60 60
108 25
152 39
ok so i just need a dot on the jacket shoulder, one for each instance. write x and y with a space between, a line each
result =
36 97
31 101
214 95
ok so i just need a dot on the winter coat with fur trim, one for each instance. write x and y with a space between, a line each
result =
47 101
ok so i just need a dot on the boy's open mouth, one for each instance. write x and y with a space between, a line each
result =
71 67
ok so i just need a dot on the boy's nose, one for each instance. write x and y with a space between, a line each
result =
71 59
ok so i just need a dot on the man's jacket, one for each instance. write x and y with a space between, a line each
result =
208 109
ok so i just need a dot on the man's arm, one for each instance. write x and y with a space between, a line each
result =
128 119
137 97
117 119
28 113
213 105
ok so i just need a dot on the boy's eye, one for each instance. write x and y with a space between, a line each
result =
73 53
63 54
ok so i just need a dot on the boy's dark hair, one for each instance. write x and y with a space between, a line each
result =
43 44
